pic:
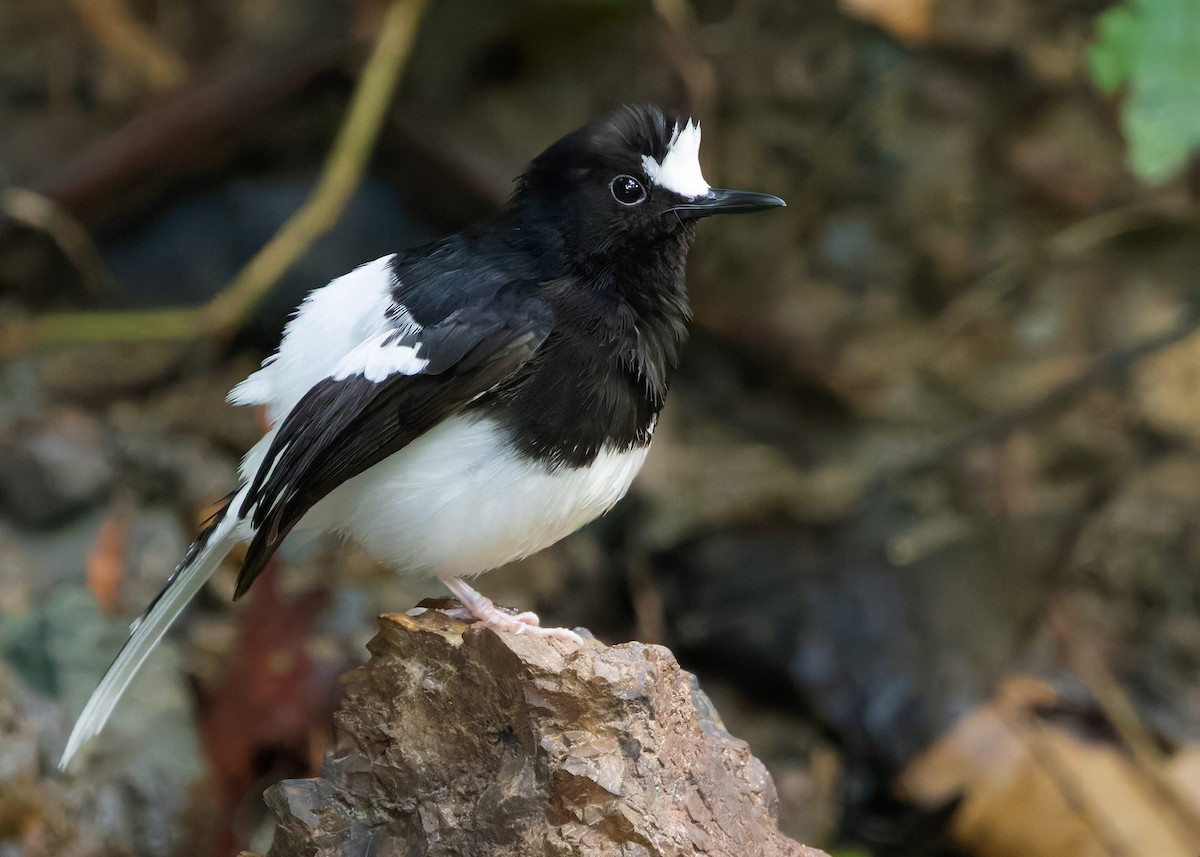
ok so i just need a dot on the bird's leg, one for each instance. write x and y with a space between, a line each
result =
480 607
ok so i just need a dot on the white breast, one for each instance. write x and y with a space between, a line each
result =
459 500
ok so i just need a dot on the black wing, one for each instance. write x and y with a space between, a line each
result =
348 422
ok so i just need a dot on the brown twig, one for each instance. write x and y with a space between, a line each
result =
1119 710
130 42
1071 242
38 211
340 177
217 111
1047 758
696 73
1090 665
1105 369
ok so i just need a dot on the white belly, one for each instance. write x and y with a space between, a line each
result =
459 501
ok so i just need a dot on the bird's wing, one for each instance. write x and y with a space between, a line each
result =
383 395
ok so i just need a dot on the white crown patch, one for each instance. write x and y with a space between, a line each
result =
679 170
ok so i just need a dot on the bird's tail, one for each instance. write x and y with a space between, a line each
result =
201 561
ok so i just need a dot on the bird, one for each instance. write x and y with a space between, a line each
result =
466 403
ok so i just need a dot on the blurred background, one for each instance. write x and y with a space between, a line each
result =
923 511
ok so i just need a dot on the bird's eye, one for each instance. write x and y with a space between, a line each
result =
627 190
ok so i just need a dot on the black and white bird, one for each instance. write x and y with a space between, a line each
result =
467 403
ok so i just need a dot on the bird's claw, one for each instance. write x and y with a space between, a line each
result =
483 609
528 623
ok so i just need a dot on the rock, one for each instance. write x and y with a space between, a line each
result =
53 468
127 803
455 739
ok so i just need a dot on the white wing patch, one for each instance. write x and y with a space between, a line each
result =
331 323
383 356
679 170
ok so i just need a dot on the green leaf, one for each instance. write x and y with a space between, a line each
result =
1152 49
1113 56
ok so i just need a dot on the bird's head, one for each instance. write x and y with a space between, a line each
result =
631 180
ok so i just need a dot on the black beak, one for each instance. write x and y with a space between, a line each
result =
723 201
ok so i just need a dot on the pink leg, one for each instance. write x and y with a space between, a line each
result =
481 608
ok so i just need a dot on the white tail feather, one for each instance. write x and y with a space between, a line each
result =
146 633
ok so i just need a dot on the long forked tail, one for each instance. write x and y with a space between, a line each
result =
202 560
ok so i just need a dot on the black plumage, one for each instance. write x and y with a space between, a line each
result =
531 318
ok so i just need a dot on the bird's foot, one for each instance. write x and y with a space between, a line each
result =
481 608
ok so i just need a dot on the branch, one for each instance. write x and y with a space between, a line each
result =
340 177
119 31
40 212
1108 368
342 174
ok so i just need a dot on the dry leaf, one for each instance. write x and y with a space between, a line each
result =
1184 771
1167 389
1032 788
910 20
106 559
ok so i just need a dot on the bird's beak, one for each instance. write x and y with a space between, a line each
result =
724 201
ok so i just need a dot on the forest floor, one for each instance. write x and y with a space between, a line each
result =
922 510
